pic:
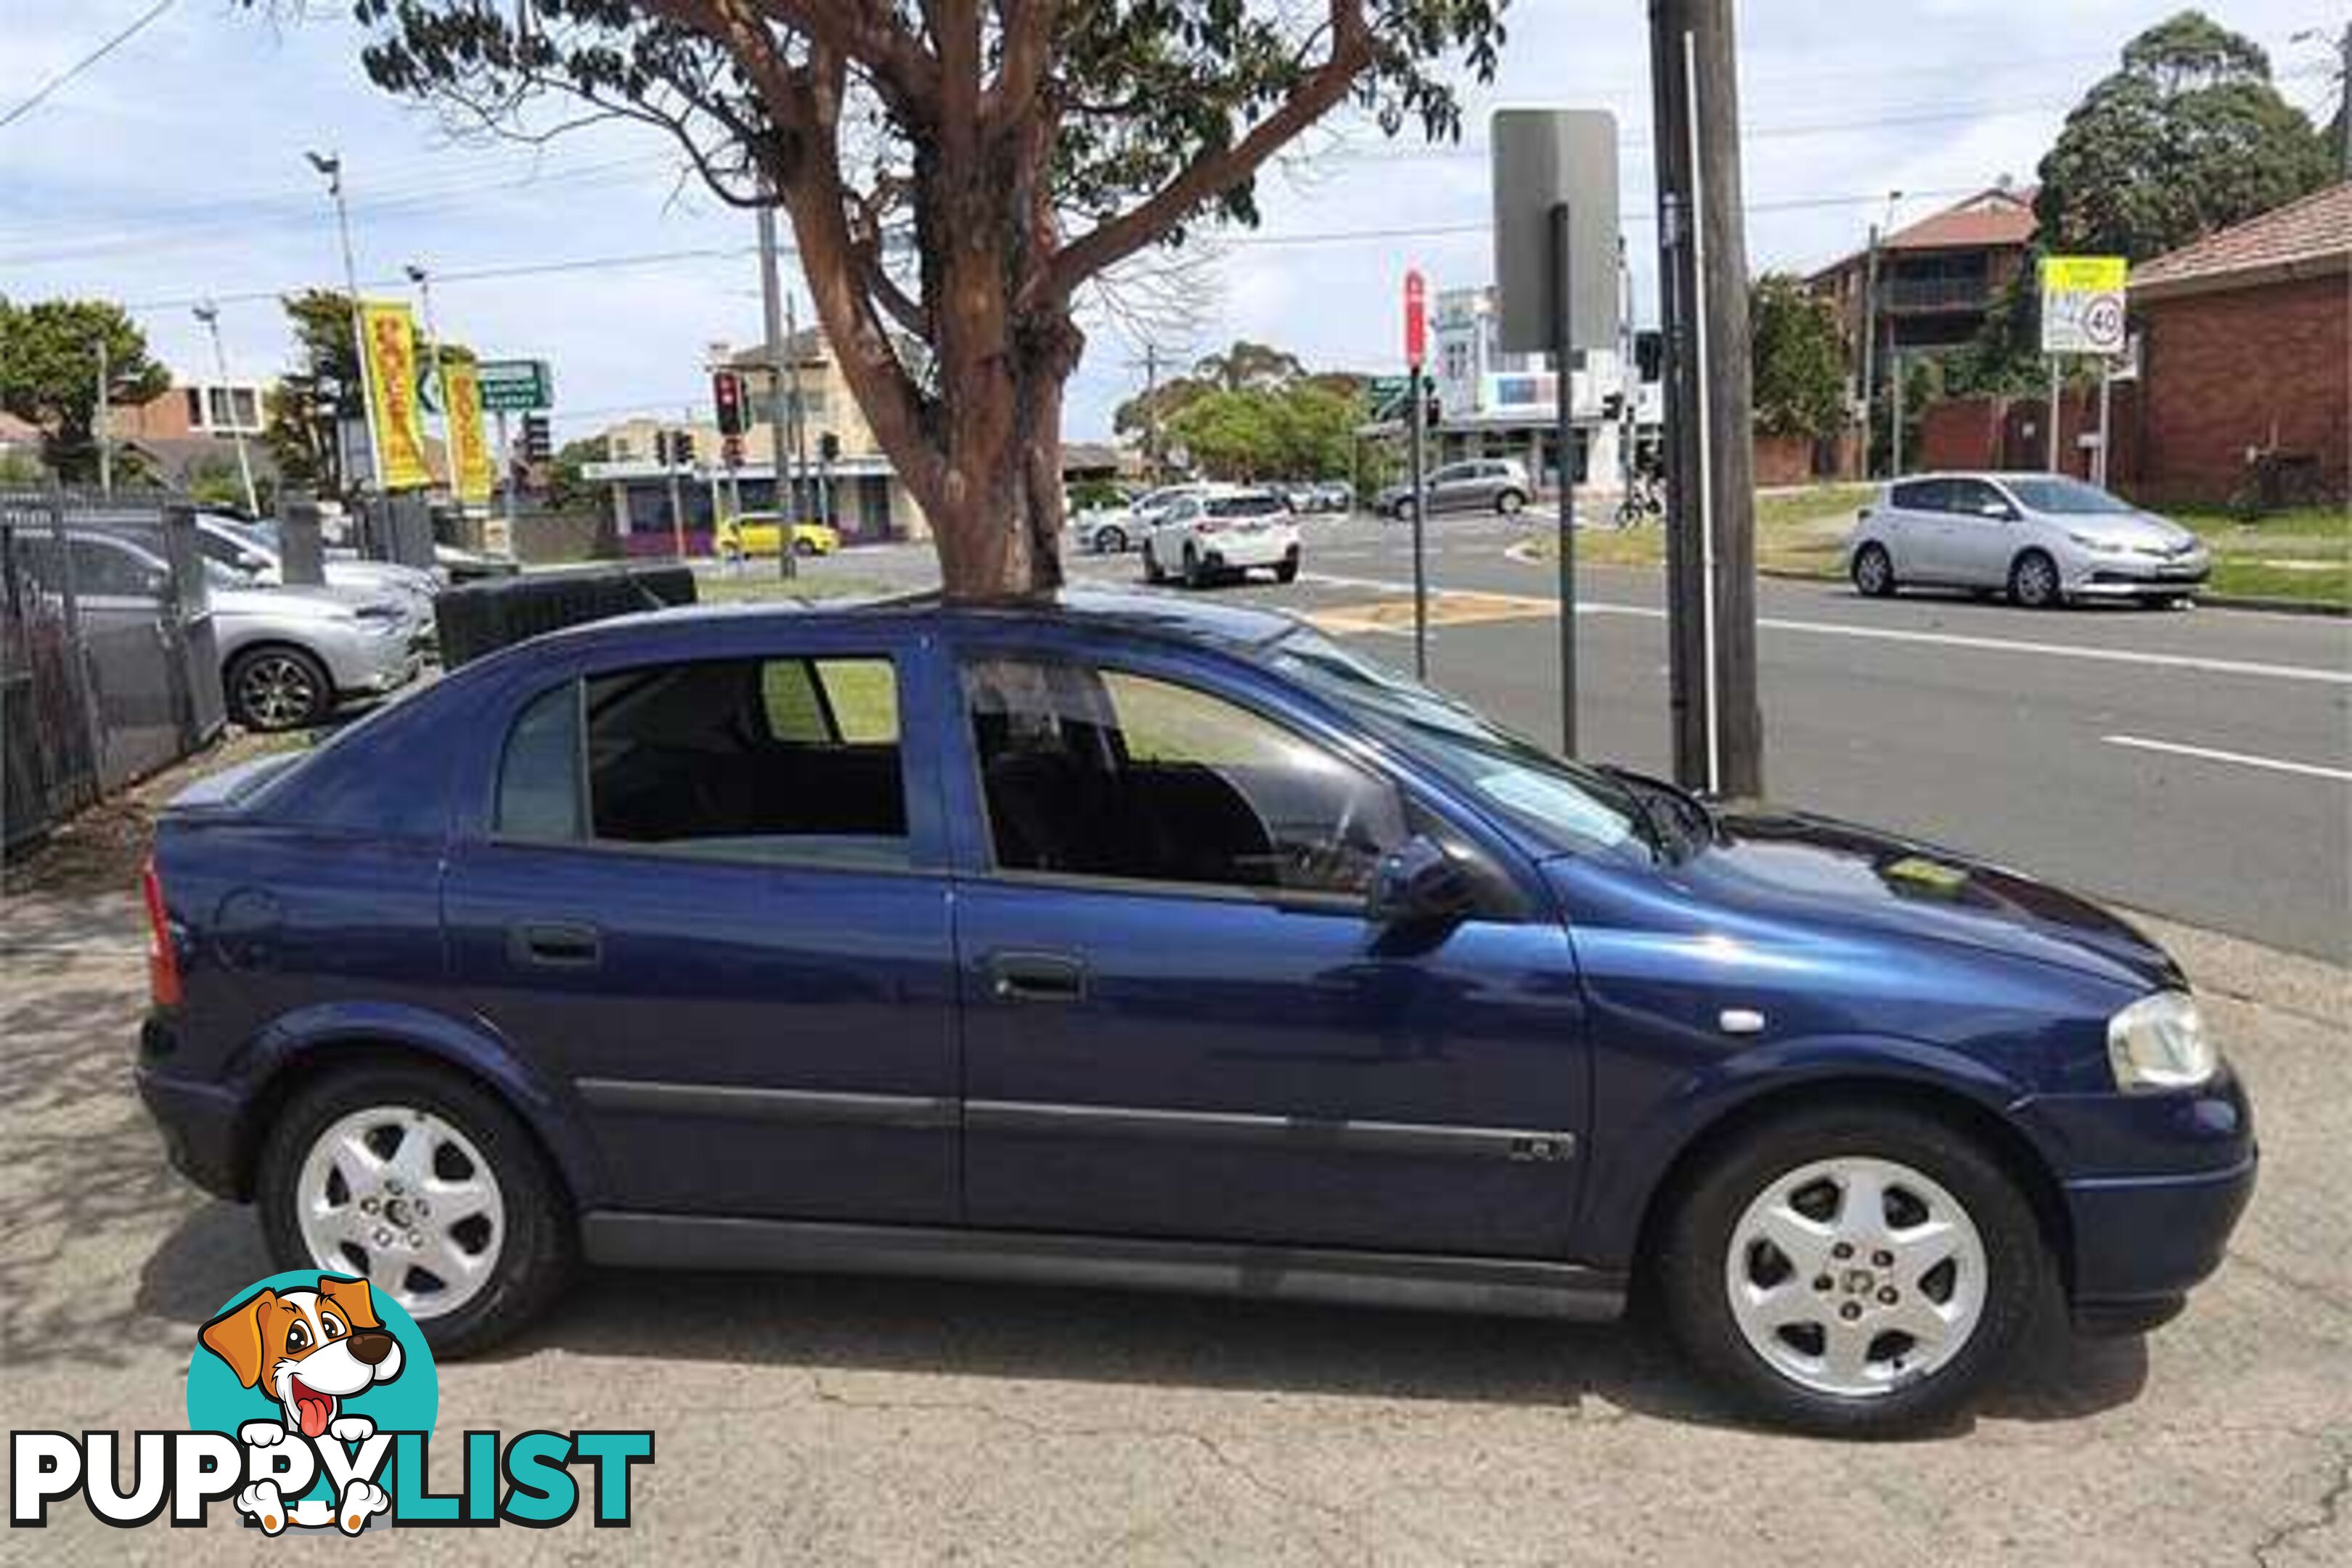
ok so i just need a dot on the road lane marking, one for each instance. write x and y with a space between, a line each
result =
2240 759
2342 677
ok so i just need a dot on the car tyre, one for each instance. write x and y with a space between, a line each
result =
1403 510
1152 570
278 688
1287 569
1874 571
2033 583
1110 541
1196 575
1715 1244
804 548
535 1241
1509 502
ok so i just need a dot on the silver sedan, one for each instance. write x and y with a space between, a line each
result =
2042 539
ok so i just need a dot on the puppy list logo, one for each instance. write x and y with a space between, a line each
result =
312 1401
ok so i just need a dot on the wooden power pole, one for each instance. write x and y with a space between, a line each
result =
1709 454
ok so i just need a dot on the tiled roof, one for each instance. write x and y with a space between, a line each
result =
1994 216
2312 234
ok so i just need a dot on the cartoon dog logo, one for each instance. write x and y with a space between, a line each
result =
308 1351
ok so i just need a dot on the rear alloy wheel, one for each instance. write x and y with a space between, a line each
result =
1509 501
1110 542
1151 572
1873 573
1858 1271
425 1187
2033 581
272 689
804 548
1403 510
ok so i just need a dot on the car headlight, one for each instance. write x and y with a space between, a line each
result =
2159 1042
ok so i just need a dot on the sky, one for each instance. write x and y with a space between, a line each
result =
172 171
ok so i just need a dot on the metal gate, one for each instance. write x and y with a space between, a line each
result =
109 664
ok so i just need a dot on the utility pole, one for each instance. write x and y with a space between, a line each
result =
1895 444
1869 345
772 318
799 417
102 424
1151 408
209 314
1710 458
1629 379
330 164
417 276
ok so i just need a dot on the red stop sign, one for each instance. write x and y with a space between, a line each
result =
1416 319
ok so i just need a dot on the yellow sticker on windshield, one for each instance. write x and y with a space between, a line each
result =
1932 875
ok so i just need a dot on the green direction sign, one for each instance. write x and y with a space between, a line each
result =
515 386
1387 395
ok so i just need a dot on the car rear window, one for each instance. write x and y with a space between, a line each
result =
1254 505
756 759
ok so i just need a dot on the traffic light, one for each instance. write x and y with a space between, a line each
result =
538 442
727 397
1650 355
1612 406
828 447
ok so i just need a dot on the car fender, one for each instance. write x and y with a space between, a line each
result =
1637 1146
470 1045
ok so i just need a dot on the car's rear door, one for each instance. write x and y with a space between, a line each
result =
707 898
1914 532
1178 1019
1981 533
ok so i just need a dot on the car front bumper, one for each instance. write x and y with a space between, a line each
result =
2152 1184
2128 577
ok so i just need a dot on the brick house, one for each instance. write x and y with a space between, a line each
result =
1936 278
2246 349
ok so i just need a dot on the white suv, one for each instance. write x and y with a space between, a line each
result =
1221 533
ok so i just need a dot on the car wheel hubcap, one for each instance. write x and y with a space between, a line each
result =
2033 581
1874 571
1855 1276
275 691
402 1197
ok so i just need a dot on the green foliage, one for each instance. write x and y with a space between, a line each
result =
49 374
1245 366
322 387
1799 359
566 486
1293 432
20 470
1086 494
2188 137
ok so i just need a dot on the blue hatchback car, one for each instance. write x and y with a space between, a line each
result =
1130 939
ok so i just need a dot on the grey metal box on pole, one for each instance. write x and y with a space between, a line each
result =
1556 244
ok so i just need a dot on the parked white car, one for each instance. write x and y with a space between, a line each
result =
254 550
2043 539
1223 531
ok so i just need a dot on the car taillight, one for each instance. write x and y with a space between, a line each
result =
163 956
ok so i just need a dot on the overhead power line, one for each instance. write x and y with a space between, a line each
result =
41 94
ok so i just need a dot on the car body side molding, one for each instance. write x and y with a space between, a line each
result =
1297 1132
1503 1286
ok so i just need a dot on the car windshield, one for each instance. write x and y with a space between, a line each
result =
2065 497
1565 804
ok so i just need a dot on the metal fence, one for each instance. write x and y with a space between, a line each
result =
109 664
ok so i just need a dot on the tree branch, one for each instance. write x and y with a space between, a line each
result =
1317 93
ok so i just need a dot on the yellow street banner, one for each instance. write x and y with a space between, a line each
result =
2081 274
391 335
469 447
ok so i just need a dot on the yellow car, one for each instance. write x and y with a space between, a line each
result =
758 532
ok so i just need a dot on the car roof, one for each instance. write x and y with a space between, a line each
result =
1166 618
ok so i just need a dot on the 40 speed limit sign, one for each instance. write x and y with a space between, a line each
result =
2082 304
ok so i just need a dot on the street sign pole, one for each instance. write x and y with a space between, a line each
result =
1416 348
505 477
2051 443
1563 352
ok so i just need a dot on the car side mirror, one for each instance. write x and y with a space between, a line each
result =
2000 511
1418 883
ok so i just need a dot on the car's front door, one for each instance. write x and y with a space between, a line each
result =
1178 1020
709 906
1916 530
1980 532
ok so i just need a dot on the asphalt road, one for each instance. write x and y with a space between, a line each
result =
2197 764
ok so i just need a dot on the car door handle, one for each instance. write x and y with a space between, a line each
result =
1036 977
555 944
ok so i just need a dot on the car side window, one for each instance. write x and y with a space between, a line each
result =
781 759
1919 495
1969 498
1102 773
103 568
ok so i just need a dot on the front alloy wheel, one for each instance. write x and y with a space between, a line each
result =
279 688
1848 1275
1857 1269
2033 581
